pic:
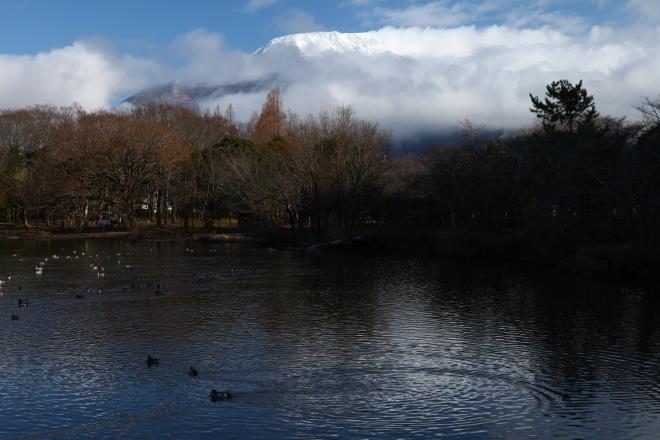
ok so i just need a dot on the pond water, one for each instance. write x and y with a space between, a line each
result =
315 346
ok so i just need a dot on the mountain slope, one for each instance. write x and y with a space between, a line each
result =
190 95
302 46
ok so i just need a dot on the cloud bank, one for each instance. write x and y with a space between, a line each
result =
411 80
86 72
424 80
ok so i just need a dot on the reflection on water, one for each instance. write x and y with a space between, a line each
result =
315 346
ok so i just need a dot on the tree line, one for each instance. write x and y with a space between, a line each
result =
331 175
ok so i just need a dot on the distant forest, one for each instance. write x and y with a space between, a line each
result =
331 176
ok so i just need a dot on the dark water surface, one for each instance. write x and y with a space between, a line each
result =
316 347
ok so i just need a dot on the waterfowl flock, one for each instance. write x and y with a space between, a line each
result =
100 273
94 267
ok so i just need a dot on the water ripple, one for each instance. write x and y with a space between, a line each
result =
315 346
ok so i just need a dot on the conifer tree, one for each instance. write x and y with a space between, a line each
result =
565 107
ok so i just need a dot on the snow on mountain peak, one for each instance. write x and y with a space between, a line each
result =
319 43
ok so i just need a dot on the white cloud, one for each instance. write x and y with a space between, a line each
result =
84 72
198 43
432 78
254 5
566 15
649 10
201 49
436 13
296 20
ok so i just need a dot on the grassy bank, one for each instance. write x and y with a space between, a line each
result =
143 231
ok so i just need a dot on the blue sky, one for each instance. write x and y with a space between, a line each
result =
147 26
35 25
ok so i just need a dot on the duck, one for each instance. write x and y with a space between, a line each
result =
23 302
192 371
80 296
219 395
15 317
152 360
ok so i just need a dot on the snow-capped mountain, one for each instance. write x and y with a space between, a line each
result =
418 82
302 47
320 43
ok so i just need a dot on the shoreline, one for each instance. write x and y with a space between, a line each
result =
624 260
141 234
